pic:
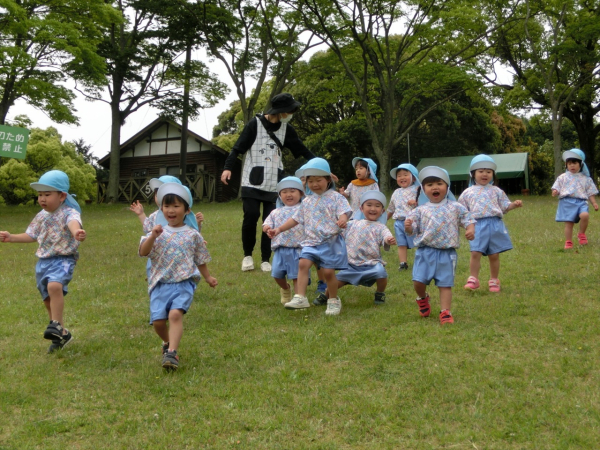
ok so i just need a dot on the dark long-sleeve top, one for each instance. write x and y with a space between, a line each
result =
248 136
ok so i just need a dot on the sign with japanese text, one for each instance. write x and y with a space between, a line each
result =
13 141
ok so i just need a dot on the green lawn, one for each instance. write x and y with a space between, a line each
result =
518 370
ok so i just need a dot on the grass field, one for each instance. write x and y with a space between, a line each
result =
518 370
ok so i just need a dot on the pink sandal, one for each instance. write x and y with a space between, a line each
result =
494 285
582 238
472 283
568 245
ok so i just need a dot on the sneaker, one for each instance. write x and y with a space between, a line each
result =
321 287
446 317
424 306
286 295
297 302
265 266
321 300
53 331
568 245
472 284
582 238
494 285
170 360
334 306
247 264
403 266
58 344
165 348
379 298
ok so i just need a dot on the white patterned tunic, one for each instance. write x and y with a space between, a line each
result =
485 201
363 239
51 231
355 192
576 185
399 207
289 238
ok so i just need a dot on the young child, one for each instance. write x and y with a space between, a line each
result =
179 257
403 201
366 180
57 229
286 247
487 204
435 227
364 235
323 213
574 188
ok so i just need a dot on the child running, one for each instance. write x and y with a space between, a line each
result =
487 204
366 180
179 257
403 201
435 226
286 246
57 230
364 236
323 213
574 188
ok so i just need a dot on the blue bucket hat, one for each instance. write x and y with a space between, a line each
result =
183 192
300 173
57 181
575 153
316 167
412 169
155 183
289 183
372 195
482 162
372 167
438 172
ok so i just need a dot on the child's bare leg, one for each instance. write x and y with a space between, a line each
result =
475 264
320 275
569 231
339 285
381 284
175 328
303 272
161 328
584 220
445 298
56 303
402 253
332 282
494 265
420 289
295 286
283 284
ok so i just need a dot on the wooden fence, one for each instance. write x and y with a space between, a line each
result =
201 184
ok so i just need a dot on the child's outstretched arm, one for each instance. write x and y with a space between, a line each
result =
76 230
555 193
592 199
138 209
343 220
146 246
470 233
288 225
199 218
408 226
514 205
22 238
212 281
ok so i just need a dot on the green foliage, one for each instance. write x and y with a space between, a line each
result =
45 152
541 167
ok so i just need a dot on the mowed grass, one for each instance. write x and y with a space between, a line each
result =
518 370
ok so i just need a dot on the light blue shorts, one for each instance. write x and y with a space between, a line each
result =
329 255
362 275
569 209
57 269
491 237
402 239
167 296
435 264
285 262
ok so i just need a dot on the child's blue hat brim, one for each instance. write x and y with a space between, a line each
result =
174 188
373 195
300 172
574 153
155 183
434 171
483 162
372 166
290 183
412 169
316 167
54 180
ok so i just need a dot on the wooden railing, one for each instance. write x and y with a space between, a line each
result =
203 186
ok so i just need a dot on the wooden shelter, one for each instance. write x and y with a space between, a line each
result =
155 151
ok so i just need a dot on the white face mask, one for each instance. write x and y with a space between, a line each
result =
286 119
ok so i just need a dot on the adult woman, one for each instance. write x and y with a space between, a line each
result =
264 136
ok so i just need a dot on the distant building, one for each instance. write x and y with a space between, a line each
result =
155 151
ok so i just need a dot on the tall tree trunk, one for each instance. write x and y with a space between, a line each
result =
115 153
556 124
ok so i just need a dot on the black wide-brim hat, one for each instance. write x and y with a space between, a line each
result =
283 103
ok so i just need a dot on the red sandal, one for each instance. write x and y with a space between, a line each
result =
568 245
582 238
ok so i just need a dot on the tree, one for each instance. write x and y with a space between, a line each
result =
437 37
44 43
45 151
